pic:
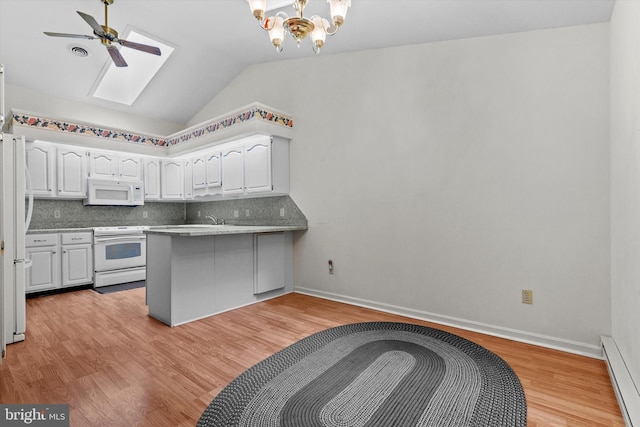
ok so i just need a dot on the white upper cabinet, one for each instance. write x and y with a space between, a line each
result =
111 164
72 172
207 173
103 164
188 179
41 165
233 170
130 167
257 166
152 190
199 172
57 170
214 169
172 179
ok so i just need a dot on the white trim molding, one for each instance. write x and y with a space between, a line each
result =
569 346
627 393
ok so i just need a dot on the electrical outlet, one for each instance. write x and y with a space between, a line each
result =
236 214
145 214
281 211
56 214
198 214
527 296
246 212
330 266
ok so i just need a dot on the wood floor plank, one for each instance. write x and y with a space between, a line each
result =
116 366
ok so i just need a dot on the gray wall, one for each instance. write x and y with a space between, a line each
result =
625 182
443 178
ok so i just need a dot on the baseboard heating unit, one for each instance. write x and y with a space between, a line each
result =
623 385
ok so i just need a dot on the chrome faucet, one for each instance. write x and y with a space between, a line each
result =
215 220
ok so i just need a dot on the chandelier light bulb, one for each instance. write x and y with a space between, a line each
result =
257 8
339 10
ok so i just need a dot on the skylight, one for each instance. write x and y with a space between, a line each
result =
124 84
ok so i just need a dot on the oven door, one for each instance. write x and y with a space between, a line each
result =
118 252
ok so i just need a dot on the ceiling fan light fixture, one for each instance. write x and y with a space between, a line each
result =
298 26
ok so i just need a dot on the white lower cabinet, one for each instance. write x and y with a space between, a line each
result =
59 260
269 260
77 259
44 251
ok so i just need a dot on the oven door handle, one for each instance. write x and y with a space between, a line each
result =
120 238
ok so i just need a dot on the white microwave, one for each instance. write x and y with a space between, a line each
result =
117 192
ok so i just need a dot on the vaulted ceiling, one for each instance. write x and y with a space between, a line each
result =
216 39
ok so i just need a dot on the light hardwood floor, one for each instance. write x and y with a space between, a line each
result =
116 366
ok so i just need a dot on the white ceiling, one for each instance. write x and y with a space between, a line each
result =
216 39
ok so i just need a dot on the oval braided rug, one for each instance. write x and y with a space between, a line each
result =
374 374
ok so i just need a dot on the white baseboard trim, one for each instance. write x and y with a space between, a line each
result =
626 391
574 347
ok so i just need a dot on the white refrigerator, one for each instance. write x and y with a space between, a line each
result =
13 227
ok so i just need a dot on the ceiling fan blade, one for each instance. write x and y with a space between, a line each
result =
73 36
117 58
139 46
92 22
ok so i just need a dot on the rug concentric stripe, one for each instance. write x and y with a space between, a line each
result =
374 374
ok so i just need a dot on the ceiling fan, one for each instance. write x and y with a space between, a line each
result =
107 37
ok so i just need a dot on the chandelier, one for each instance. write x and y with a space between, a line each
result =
298 26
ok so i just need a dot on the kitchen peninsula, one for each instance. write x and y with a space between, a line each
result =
195 271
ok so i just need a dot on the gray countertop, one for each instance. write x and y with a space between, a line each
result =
58 230
214 230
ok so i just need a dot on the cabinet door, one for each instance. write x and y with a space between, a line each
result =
199 172
77 265
41 164
151 178
270 262
257 166
188 180
72 172
103 164
130 167
44 274
232 171
214 176
172 180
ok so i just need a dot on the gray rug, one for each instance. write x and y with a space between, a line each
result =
374 374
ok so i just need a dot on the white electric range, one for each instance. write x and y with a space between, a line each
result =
119 254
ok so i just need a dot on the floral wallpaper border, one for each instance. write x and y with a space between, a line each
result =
207 128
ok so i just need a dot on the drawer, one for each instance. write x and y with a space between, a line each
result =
36 240
76 238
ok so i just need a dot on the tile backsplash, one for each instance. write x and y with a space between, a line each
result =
55 214
278 210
